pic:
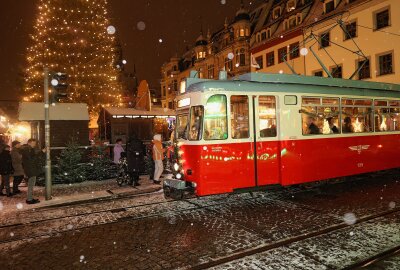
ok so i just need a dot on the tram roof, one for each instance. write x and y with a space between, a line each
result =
317 85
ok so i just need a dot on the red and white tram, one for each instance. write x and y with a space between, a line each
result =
267 129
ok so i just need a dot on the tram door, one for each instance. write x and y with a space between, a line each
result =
266 140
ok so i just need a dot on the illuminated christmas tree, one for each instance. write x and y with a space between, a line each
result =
75 37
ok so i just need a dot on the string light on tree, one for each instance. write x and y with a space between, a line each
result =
76 38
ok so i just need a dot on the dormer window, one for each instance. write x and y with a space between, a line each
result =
276 13
263 35
329 6
241 32
201 55
268 33
291 5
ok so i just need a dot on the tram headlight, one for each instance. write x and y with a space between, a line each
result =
176 167
178 176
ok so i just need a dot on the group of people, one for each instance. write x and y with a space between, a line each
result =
20 162
134 153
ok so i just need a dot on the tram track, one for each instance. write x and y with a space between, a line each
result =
374 259
299 238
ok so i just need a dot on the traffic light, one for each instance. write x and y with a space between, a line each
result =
60 85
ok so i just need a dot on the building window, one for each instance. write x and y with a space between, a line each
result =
324 40
211 71
294 50
385 64
228 64
276 13
263 35
365 71
270 59
292 22
282 52
382 19
268 33
247 32
241 56
318 73
291 5
329 6
258 37
260 62
175 85
241 32
351 29
337 72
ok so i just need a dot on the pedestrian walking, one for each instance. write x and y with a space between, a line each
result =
32 164
6 170
118 149
158 157
16 157
135 152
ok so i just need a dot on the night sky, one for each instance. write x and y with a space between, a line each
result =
176 22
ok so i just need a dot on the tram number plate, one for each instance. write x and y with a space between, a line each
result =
360 165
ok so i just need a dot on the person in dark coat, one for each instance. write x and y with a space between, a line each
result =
17 165
6 170
33 167
134 153
312 127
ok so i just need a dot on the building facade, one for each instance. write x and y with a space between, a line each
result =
368 39
227 49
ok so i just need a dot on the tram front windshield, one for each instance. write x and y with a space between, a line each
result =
182 126
196 123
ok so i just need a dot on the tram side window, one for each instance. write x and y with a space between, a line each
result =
387 115
240 117
216 118
357 115
267 116
182 126
196 123
320 116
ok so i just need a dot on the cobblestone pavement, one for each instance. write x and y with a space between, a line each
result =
240 231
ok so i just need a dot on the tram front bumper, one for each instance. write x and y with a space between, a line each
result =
175 188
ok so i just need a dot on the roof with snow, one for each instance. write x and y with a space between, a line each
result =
34 111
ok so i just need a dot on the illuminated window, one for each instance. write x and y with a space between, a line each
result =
240 117
241 32
320 116
291 5
357 115
196 123
216 118
182 126
267 116
387 115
